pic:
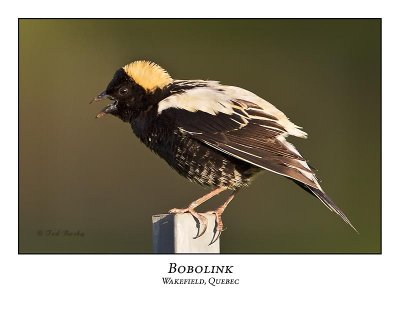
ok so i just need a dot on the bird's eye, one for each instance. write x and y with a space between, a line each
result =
123 91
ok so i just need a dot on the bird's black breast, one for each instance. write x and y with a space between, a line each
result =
189 157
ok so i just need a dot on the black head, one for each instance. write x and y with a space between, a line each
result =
133 88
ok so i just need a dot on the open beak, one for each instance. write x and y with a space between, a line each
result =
109 108
100 97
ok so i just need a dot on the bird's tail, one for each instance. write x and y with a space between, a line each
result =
327 202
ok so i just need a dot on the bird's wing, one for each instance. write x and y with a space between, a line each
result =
240 124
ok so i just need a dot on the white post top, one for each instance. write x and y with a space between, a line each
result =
175 233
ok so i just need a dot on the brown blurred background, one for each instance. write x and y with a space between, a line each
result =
94 178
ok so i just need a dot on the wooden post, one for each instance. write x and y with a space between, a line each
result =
174 233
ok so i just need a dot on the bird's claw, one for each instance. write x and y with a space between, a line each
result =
219 226
202 224
201 221
216 236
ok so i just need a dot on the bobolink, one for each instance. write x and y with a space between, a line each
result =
215 135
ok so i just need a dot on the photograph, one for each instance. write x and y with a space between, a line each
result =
175 136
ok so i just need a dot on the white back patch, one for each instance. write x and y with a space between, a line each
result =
205 99
215 98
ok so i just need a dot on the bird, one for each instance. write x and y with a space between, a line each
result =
215 135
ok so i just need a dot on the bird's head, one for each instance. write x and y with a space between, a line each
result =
133 89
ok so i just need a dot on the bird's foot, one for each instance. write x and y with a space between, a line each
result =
201 220
219 226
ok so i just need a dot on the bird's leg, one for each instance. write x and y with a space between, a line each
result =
201 219
218 218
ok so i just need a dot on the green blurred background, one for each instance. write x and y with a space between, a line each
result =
94 177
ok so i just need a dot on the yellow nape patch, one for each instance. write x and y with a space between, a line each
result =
148 74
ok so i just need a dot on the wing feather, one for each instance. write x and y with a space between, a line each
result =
269 159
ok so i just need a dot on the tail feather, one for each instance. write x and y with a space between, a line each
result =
327 202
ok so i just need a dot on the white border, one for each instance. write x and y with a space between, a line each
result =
275 281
